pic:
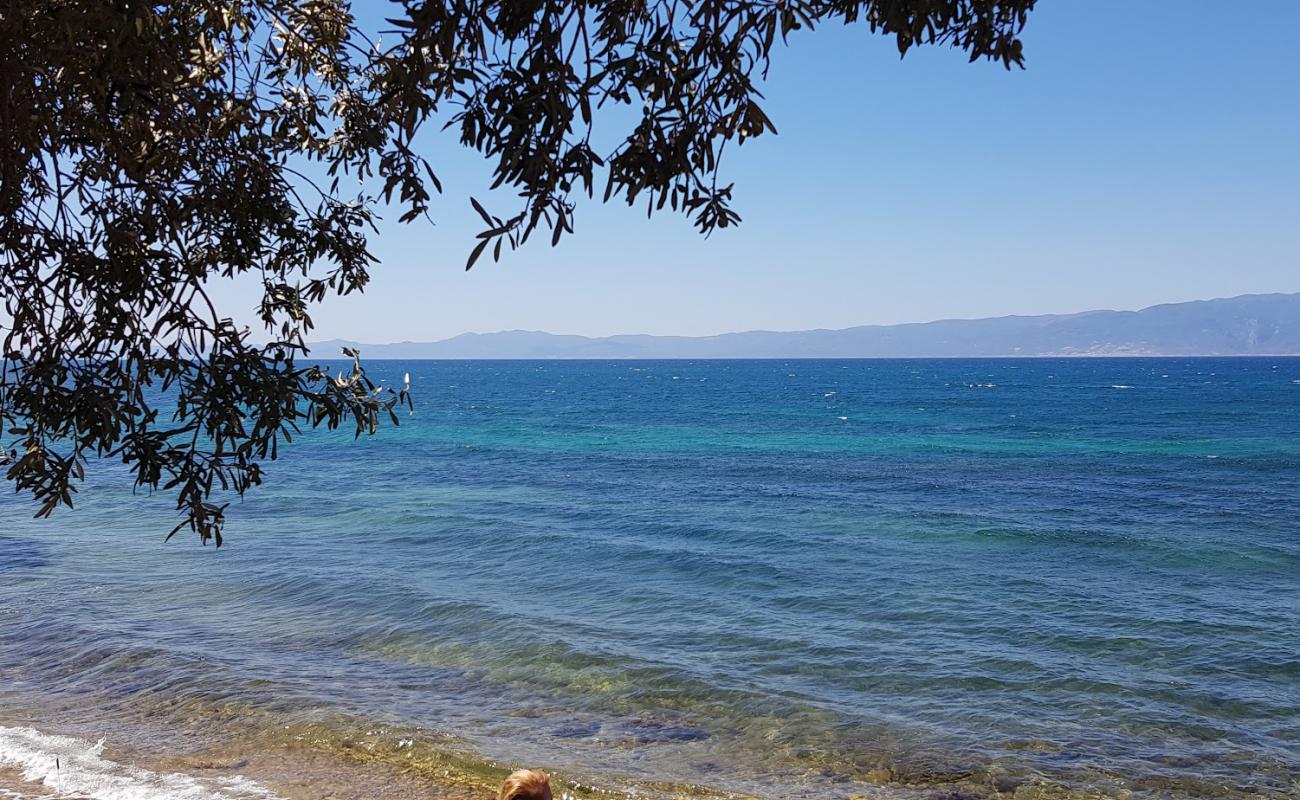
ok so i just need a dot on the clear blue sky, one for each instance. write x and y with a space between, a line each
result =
1149 153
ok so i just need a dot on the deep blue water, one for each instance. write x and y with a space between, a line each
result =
803 577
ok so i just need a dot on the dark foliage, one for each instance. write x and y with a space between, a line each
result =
149 149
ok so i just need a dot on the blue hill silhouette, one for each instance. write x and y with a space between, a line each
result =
1260 324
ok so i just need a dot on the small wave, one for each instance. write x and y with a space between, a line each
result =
71 768
1120 386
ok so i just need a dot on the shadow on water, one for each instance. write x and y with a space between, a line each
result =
22 554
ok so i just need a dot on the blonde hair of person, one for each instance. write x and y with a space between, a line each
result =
526 784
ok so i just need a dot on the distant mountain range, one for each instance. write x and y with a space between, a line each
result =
1256 324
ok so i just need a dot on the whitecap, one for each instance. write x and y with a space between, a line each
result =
1120 386
70 767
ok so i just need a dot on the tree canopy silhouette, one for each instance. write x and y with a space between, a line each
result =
150 149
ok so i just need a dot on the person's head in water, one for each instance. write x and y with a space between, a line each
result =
527 784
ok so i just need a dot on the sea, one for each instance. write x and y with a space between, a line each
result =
939 579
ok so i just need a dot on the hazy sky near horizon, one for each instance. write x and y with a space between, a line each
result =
1149 153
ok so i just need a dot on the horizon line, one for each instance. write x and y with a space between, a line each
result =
1085 312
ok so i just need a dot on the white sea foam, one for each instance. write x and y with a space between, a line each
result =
67 767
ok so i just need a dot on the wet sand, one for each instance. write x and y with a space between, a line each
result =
65 761
287 775
307 775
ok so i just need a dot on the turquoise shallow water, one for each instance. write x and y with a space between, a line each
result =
805 577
